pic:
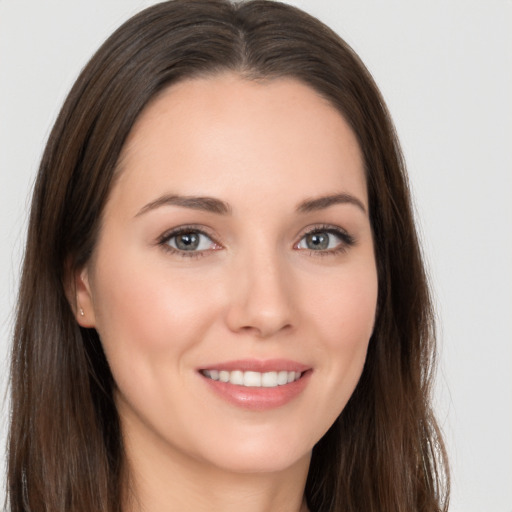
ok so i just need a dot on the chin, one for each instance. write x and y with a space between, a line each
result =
264 463
259 456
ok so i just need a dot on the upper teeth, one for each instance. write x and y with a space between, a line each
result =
253 379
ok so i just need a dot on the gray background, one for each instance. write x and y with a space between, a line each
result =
445 69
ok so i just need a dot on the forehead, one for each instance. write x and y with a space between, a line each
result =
224 131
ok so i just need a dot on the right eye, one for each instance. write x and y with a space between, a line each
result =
188 241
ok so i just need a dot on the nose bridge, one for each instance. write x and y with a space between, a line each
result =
261 299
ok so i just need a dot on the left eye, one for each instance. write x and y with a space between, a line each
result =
320 241
190 241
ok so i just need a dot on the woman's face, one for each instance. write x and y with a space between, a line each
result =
234 283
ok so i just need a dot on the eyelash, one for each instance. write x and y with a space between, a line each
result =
346 241
163 241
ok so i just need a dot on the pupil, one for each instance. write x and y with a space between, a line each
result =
187 241
318 241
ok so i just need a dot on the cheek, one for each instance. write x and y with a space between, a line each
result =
343 315
145 312
344 308
150 322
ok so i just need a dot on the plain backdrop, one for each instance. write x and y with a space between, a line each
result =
445 69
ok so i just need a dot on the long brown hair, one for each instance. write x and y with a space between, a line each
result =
384 453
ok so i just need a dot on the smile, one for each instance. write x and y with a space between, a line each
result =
252 379
257 385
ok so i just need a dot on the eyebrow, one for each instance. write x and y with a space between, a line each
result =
320 203
214 205
207 204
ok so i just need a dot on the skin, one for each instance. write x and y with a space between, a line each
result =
254 290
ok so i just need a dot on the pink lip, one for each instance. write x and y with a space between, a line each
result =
258 399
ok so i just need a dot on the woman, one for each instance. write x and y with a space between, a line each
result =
223 302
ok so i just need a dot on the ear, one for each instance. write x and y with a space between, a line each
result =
80 297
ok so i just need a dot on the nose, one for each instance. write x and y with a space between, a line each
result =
261 297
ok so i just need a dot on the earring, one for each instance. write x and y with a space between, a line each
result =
82 312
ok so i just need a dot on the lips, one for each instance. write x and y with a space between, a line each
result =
257 385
